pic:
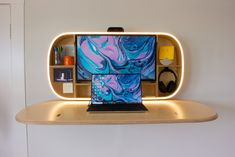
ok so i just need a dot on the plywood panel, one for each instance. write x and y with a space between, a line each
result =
74 112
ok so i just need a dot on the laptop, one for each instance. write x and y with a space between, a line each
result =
116 92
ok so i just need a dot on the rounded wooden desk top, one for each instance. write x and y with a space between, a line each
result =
74 112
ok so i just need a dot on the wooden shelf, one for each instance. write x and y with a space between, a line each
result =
170 66
62 66
83 83
74 112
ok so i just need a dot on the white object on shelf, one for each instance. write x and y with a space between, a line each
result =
67 87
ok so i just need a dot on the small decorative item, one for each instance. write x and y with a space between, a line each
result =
166 55
68 50
68 87
58 55
68 60
63 74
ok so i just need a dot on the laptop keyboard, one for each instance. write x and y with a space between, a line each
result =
117 107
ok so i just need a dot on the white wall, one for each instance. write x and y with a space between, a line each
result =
206 30
13 142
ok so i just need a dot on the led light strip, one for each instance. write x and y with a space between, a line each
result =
118 33
52 115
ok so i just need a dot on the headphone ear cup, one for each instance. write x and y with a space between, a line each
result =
171 86
162 87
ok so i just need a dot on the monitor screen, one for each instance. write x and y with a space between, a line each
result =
116 54
114 88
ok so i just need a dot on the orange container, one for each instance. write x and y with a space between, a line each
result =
68 60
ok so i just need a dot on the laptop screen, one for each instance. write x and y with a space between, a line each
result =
116 88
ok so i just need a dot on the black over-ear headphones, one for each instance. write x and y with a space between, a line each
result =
171 86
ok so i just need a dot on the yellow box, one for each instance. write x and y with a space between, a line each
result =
166 52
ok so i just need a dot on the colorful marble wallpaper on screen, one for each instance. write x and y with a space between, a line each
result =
116 88
116 54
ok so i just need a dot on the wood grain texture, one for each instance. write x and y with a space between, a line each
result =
74 112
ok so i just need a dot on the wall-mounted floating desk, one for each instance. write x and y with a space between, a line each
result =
74 112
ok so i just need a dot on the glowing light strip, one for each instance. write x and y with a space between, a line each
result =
54 111
118 33
169 103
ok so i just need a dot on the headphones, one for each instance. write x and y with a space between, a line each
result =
171 85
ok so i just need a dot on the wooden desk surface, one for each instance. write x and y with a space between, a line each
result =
74 112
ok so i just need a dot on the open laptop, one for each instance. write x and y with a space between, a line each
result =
116 92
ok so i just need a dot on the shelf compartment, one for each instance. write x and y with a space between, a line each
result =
83 90
149 89
74 112
68 39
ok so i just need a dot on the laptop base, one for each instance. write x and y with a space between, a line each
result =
133 107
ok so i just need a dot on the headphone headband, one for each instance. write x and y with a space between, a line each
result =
166 69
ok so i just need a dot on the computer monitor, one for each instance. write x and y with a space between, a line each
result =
111 54
116 88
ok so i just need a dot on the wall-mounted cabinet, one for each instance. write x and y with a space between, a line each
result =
81 90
